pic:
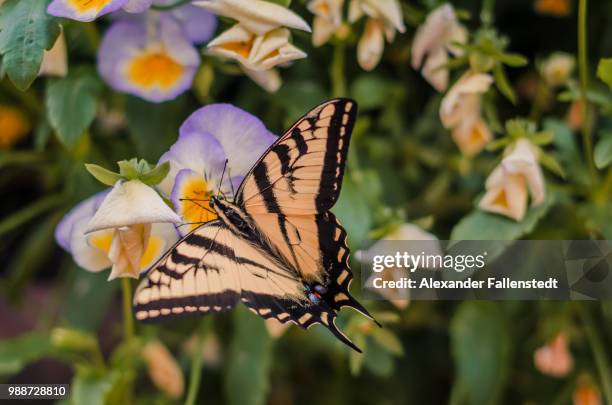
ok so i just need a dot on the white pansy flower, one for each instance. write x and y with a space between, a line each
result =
518 175
327 20
257 16
128 249
384 19
434 41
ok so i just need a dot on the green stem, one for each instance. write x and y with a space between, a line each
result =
583 67
486 14
30 212
196 365
539 101
599 352
128 321
337 71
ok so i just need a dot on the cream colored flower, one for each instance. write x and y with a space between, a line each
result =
460 111
327 20
384 19
472 135
554 358
269 80
121 228
163 369
399 297
509 183
256 52
432 43
55 60
557 69
463 99
257 16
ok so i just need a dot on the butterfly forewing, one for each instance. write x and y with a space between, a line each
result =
302 172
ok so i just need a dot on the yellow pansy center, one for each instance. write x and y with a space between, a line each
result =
83 6
104 239
154 69
153 251
193 205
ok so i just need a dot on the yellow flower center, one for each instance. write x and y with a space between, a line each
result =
154 69
242 48
322 8
502 200
85 5
193 206
154 248
102 240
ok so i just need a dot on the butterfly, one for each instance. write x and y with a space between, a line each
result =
276 247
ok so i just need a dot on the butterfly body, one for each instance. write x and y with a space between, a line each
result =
276 247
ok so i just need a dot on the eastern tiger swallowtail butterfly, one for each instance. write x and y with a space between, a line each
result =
276 247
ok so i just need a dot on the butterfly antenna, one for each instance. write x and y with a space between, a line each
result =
221 181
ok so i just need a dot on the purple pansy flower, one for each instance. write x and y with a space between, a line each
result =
153 61
209 137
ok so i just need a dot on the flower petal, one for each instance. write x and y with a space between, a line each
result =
131 203
89 256
371 45
200 152
137 6
258 16
269 80
55 60
84 10
85 209
232 126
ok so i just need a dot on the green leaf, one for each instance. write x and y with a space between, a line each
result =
71 105
250 358
481 225
17 353
26 30
89 298
548 161
356 358
603 151
511 59
155 176
502 83
378 361
371 91
604 71
153 127
388 340
92 387
480 342
353 212
103 175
